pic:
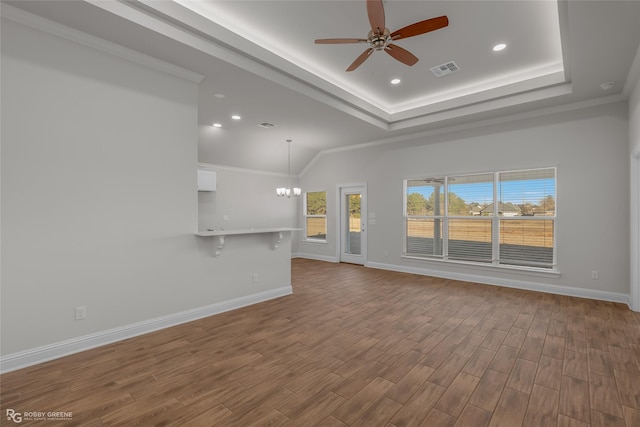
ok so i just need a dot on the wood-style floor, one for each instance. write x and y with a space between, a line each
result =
360 347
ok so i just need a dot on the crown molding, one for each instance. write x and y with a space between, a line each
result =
192 23
473 125
175 21
217 168
42 24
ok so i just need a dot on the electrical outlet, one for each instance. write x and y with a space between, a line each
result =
81 312
255 277
594 275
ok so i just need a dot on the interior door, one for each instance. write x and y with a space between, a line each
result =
353 227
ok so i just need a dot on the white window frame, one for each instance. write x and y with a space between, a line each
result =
495 225
306 238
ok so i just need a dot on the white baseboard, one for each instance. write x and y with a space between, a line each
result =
48 352
509 283
314 257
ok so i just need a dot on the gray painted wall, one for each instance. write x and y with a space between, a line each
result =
588 146
247 199
99 204
634 213
634 117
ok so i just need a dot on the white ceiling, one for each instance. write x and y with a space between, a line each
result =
288 29
261 56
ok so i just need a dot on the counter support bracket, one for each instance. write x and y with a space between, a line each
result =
220 235
220 245
277 239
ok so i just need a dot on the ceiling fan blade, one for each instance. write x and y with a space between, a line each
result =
375 10
360 59
420 28
340 41
401 54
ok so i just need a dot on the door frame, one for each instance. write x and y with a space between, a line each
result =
360 186
634 214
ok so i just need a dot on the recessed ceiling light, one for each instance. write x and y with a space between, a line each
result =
266 125
499 47
395 81
218 95
217 125
236 117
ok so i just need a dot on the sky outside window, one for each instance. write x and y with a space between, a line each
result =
516 192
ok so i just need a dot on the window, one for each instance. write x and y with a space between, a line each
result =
500 218
315 213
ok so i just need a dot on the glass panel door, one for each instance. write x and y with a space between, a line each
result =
352 225
352 235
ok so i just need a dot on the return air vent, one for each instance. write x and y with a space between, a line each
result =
444 69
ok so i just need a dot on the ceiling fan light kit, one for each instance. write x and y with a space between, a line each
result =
380 38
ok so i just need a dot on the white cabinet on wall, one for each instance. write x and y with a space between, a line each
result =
206 180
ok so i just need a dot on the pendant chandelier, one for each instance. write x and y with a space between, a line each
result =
288 191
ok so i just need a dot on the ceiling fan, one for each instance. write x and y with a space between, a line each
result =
380 37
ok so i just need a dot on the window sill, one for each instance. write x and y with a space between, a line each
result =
528 271
314 241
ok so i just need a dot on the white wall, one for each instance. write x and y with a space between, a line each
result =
247 199
634 112
99 203
634 120
589 148
634 150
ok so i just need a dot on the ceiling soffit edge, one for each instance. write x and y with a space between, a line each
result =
42 24
187 26
529 80
485 106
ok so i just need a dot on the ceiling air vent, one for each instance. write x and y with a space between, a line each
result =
444 69
266 125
